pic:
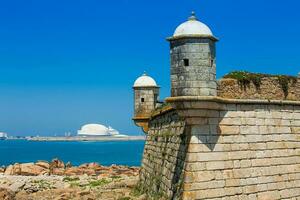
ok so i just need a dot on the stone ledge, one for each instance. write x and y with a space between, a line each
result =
140 118
165 109
229 101
192 36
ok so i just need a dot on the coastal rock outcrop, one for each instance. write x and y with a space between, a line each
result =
31 169
58 167
26 169
56 180
2 169
43 164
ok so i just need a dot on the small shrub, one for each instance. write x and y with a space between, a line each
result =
69 179
115 177
100 182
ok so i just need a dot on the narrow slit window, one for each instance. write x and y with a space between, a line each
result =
186 62
142 100
211 62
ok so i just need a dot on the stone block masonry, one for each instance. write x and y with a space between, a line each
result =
164 156
269 88
198 75
214 148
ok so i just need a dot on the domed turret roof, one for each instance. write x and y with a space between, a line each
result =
192 27
145 81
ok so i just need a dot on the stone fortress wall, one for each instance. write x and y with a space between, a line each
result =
214 149
164 155
270 88
238 141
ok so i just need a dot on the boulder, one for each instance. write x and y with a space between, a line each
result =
9 170
89 172
6 194
58 171
43 164
17 169
68 164
56 163
85 165
2 169
30 169
74 171
95 166
17 185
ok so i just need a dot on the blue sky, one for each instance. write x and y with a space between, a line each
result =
65 63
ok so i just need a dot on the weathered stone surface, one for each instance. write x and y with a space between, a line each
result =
269 89
43 164
250 151
193 67
6 194
27 169
56 163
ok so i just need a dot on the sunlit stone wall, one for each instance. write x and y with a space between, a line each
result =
218 150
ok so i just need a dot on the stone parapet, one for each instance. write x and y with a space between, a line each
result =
269 88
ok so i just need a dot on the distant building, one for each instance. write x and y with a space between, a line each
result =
3 136
98 130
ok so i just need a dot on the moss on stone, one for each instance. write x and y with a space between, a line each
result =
244 78
160 108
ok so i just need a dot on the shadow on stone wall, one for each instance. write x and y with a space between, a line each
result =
207 133
177 180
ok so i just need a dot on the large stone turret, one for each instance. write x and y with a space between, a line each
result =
193 60
146 93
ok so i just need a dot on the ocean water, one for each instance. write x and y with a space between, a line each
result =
106 153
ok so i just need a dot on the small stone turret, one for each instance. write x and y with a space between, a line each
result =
193 60
146 94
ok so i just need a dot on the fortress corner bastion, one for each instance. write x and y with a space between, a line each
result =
234 138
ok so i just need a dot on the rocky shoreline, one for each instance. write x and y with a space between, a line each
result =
61 181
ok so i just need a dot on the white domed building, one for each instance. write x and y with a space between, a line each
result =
3 136
96 130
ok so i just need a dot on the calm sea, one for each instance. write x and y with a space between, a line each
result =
106 153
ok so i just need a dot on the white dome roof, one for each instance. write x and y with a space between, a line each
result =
93 129
145 81
97 130
192 27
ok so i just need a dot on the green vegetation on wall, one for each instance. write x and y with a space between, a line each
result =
244 78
